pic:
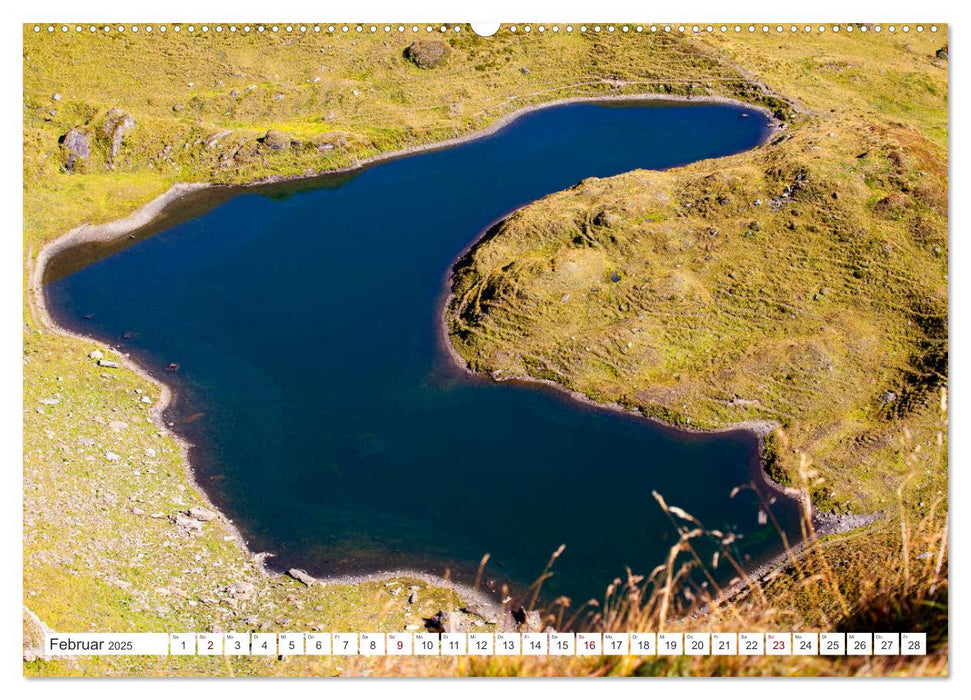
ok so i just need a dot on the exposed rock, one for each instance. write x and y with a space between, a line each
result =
427 54
78 145
203 514
108 363
941 53
112 457
328 142
527 620
187 524
96 354
56 97
606 218
888 397
213 140
302 576
242 590
833 523
117 124
117 425
443 621
412 597
277 140
476 609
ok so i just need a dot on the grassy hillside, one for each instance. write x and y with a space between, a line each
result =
809 310
202 103
804 283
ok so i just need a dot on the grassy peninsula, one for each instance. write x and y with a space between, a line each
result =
802 283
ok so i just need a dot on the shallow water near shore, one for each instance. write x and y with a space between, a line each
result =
328 422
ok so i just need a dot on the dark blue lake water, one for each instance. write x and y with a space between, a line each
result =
335 431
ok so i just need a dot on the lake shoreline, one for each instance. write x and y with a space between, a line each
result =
145 215
823 523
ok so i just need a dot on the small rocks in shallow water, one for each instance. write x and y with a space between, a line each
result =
203 514
302 576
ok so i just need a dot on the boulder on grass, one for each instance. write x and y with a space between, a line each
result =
78 145
277 140
427 54
117 124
